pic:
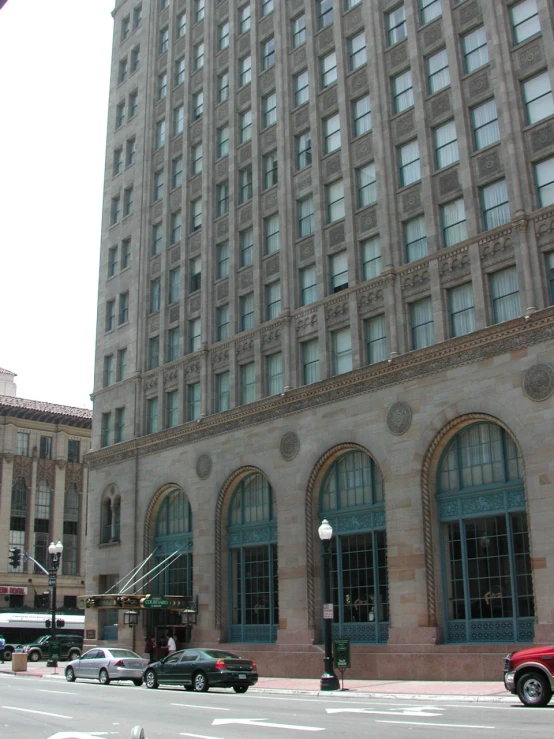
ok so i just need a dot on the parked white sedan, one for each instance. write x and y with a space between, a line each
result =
105 665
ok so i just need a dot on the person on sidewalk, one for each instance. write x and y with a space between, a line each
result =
171 645
2 648
150 648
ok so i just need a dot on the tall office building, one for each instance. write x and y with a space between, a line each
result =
325 291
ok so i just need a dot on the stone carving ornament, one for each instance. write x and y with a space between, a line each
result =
399 418
538 382
203 466
289 445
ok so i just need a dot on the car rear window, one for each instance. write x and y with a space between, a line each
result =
219 654
119 653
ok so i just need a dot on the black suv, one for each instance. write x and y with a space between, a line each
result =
71 646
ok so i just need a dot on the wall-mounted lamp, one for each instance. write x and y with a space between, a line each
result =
130 618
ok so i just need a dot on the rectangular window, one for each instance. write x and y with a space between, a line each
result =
176 223
199 10
153 352
244 18
158 185
525 20
298 31
131 150
196 215
308 285
223 86
301 90
402 91
462 309
121 372
376 339
106 429
494 202
160 133
123 308
223 36
133 104
122 71
446 145
110 315
245 126
342 351
178 120
550 274
172 348
177 172
266 7
125 27
115 215
174 285
247 383
438 74
408 162
415 239
135 59
112 261
357 51
305 210
324 11
125 253
270 170
334 199
107 377
537 96
328 69
396 25
245 185
273 300
246 244
274 373
127 202
371 258
366 185
269 110
429 10
245 71
180 67
155 290
163 40
349 4
198 105
271 234
222 260
331 134
198 55
544 177
247 312
361 115
137 17
181 24
172 408
151 415
268 53
196 159
222 397
45 447
303 146
338 269
119 115
222 199
505 295
454 226
195 271
195 335
117 161
484 121
310 361
222 322
22 449
475 51
421 321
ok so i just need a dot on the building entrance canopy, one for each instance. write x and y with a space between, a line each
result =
184 603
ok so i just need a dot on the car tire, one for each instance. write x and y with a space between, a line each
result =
103 677
73 655
240 688
8 655
200 682
34 657
137 681
534 689
151 680
70 674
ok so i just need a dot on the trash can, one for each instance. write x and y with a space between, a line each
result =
19 660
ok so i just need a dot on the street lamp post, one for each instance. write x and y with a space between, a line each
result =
329 681
56 553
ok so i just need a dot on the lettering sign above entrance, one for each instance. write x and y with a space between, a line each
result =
155 602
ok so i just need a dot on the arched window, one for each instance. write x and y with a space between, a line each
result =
173 546
351 499
110 517
488 594
71 510
252 536
18 517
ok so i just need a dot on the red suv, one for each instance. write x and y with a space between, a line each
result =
530 674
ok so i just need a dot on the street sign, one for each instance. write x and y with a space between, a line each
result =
341 649
51 582
328 610
55 650
155 602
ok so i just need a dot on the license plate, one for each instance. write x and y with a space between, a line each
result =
242 677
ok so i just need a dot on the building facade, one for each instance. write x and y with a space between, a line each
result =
43 493
325 292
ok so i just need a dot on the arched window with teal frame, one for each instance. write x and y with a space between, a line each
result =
253 576
351 499
486 564
173 546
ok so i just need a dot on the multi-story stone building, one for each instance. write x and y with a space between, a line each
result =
325 292
43 490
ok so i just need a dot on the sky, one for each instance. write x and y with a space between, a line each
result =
54 84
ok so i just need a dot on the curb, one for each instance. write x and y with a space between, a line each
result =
393 696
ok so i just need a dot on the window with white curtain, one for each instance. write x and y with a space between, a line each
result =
248 383
246 246
301 88
361 115
305 208
245 70
544 177
475 50
338 268
273 300
366 185
462 309
537 96
244 18
195 335
268 53
310 361
172 408
408 162
269 110
151 415
396 25
271 234
421 321
245 126
342 351
331 134
484 121
303 149
222 322
274 373
446 145
328 69
454 225
324 11
376 339
246 305
415 239
334 198
505 294
222 392
371 258
494 202
193 401
308 285
298 30
357 52
402 91
438 74
525 20
222 142
429 10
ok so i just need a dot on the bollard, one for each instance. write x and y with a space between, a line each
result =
137 733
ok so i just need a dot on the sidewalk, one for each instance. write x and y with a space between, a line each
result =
412 689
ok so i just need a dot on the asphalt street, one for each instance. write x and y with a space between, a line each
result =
40 708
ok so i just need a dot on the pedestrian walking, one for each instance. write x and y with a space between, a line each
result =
2 647
171 645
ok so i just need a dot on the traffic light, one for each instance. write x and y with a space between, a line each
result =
15 557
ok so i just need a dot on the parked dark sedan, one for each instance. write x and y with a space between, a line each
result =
201 669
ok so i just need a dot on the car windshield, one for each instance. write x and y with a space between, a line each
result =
219 654
42 640
119 653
